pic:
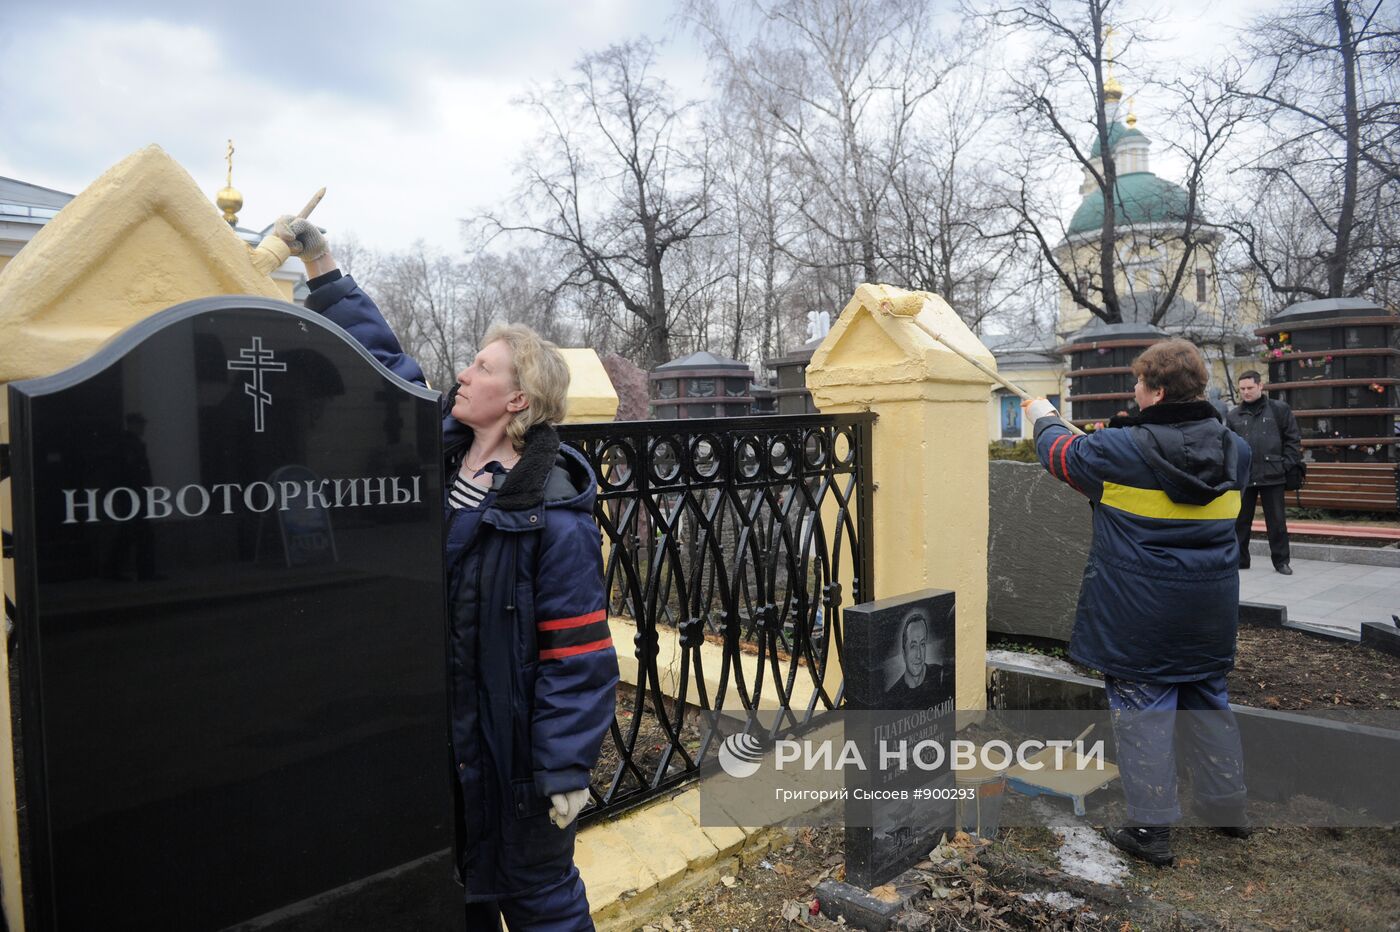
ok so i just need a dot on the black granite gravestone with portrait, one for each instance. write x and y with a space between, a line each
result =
229 682
898 662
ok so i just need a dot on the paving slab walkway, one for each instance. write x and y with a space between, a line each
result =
1338 596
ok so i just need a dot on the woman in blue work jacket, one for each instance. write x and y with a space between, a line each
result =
533 670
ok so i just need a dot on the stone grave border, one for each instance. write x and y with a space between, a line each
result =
1013 687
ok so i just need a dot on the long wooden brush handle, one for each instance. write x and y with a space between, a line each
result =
311 204
990 373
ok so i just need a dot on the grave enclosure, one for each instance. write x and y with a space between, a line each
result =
226 659
226 667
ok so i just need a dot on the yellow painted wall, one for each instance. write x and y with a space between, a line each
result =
4 261
592 397
139 239
930 455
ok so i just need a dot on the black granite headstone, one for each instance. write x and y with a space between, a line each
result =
229 678
899 668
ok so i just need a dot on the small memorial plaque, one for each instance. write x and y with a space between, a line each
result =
230 682
899 668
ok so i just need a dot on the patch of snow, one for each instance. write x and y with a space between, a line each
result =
1083 852
1034 661
1060 900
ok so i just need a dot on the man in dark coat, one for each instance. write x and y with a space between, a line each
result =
1159 601
1271 431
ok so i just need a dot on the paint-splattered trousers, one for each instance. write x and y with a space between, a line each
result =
1151 721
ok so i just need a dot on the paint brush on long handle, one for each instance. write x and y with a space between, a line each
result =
311 204
904 308
272 251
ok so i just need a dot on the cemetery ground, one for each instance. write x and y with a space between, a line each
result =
1285 877
1282 878
1284 669
1276 668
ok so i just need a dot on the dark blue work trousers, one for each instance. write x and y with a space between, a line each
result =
562 907
1147 726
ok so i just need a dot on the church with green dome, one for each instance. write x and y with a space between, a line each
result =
1150 213
1142 199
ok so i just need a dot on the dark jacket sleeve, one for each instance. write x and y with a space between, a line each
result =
1289 434
1244 463
343 303
1079 461
575 687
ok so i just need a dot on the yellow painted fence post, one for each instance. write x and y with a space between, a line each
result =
929 454
592 397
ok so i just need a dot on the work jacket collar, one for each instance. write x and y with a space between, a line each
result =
1169 412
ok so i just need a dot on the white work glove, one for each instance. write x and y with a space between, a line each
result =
567 806
1037 409
303 238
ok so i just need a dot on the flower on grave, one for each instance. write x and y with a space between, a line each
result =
1283 338
1326 358
1378 388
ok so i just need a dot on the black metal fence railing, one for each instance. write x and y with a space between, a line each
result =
733 546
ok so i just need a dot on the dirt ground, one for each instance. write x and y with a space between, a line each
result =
1281 879
652 738
1332 516
1277 668
1285 877
779 893
1376 542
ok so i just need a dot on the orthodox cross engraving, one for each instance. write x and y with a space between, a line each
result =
257 360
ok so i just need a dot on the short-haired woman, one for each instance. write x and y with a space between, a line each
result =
1161 592
532 666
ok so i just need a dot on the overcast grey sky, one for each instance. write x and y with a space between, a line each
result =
402 109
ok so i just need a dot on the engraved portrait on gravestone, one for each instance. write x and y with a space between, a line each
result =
918 663
899 670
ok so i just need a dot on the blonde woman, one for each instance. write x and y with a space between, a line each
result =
532 666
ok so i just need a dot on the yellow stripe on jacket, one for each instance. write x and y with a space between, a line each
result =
1154 503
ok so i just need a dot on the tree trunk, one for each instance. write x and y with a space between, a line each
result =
1112 312
1337 262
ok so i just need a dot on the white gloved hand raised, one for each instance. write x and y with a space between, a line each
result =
567 806
1037 409
303 238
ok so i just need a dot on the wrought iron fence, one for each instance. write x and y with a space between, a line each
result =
732 546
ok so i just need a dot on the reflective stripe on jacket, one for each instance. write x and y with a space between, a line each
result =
1159 601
